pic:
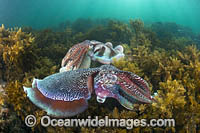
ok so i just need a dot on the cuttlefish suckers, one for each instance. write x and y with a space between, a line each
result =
65 94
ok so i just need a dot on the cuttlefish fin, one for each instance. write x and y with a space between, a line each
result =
57 108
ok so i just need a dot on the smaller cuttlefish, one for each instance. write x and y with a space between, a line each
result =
66 94
81 54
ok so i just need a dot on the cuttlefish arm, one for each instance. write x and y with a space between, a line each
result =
63 94
126 87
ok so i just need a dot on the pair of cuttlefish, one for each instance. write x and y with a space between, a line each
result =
65 94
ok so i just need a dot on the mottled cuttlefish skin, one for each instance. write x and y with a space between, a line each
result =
79 56
128 88
63 94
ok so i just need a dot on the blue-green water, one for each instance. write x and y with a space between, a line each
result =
47 13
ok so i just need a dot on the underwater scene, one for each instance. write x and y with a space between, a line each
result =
121 66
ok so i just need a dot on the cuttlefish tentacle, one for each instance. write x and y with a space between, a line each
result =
126 87
63 94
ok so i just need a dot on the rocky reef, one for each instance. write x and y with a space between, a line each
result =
169 62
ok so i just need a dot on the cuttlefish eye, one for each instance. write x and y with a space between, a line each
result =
105 86
110 78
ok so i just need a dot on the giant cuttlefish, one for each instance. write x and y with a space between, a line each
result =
81 54
66 94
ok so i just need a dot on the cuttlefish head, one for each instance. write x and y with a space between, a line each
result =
126 87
